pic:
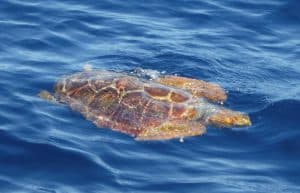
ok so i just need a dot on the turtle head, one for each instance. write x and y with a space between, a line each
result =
228 118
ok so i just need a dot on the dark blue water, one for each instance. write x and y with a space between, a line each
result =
251 48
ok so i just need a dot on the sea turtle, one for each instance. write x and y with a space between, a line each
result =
165 107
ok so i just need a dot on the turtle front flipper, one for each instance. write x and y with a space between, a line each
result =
197 88
172 129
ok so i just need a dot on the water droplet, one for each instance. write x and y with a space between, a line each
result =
181 140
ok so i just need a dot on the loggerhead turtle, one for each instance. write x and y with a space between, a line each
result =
165 107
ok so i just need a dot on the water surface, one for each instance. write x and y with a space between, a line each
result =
251 48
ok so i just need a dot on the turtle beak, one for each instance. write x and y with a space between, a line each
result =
228 118
244 121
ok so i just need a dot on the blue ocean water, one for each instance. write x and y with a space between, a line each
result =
251 48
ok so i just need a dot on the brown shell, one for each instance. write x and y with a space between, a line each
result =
167 107
123 102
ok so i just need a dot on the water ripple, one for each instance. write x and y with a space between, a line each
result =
249 48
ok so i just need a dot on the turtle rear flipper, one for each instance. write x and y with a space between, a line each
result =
172 129
198 88
47 96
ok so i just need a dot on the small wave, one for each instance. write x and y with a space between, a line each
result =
33 44
277 127
283 112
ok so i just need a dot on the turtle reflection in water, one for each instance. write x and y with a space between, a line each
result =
165 107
